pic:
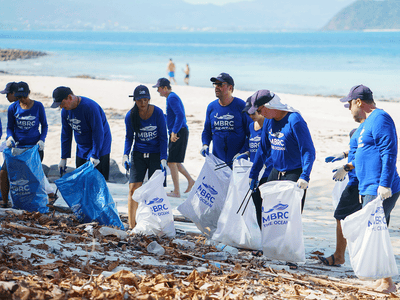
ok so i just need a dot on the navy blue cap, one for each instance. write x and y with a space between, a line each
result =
223 77
141 91
162 82
22 89
10 88
358 92
256 100
59 94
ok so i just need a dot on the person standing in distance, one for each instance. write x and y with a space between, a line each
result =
171 70
375 158
178 135
187 74
225 125
87 120
147 131
286 139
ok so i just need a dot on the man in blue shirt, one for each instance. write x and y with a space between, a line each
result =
178 135
375 157
88 121
225 125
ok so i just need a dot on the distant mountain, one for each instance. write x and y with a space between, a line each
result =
166 15
367 14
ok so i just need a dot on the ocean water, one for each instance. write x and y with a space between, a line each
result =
309 63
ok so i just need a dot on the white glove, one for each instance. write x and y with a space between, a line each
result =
163 165
10 142
302 184
384 192
204 150
41 145
62 165
94 161
125 162
340 174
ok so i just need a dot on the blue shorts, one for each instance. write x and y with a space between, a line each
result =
171 74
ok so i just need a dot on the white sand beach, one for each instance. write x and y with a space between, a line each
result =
329 123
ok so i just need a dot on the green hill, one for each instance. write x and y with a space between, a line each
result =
367 14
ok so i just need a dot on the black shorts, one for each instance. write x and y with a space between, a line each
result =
140 163
177 150
349 202
103 166
41 155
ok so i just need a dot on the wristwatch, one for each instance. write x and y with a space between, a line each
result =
347 168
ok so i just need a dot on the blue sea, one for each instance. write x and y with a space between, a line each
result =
309 63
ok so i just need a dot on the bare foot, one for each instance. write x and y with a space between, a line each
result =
376 284
172 194
190 185
387 286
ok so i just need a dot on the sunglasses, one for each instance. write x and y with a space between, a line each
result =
218 84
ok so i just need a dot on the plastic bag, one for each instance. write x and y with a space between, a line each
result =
338 190
25 172
233 228
282 228
154 213
368 241
85 191
207 197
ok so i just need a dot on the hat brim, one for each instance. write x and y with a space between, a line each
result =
346 99
4 92
156 86
141 97
249 109
55 104
214 79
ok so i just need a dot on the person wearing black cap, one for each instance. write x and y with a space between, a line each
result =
147 131
225 125
9 91
87 120
26 126
178 135
286 139
375 158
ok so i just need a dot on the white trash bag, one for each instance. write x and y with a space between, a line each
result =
368 241
338 191
234 229
282 228
154 214
207 197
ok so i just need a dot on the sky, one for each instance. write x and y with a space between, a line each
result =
222 2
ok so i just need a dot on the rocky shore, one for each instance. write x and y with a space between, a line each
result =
14 54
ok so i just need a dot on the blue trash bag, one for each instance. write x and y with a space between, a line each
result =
26 177
85 191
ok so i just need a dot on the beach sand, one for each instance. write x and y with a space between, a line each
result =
329 123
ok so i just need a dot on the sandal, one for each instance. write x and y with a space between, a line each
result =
325 261
257 253
292 266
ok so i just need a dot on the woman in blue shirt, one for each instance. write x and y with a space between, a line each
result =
147 131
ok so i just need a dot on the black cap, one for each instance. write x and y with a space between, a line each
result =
223 77
10 88
141 91
22 89
59 94
162 82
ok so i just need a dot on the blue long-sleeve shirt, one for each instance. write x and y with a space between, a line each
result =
352 154
376 155
289 143
176 118
227 127
152 136
91 130
23 124
254 144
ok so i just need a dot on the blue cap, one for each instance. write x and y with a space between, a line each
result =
223 77
162 82
10 88
22 89
141 91
358 92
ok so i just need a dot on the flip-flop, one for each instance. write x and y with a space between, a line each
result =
325 261
292 266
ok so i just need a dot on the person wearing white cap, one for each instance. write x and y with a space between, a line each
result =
286 138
